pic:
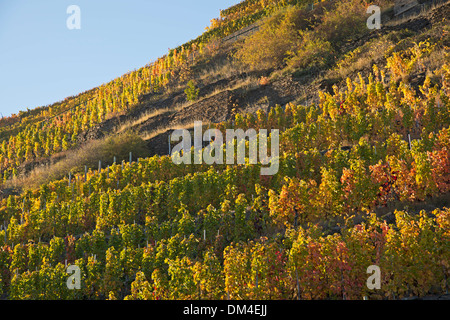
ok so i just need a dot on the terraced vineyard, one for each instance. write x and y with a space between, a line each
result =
363 178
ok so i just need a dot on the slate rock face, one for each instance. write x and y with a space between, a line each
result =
402 6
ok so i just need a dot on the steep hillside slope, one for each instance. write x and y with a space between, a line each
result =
243 91
363 173
227 89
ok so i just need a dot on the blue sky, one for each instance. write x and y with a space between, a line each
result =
42 61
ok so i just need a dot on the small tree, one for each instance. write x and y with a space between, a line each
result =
191 91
